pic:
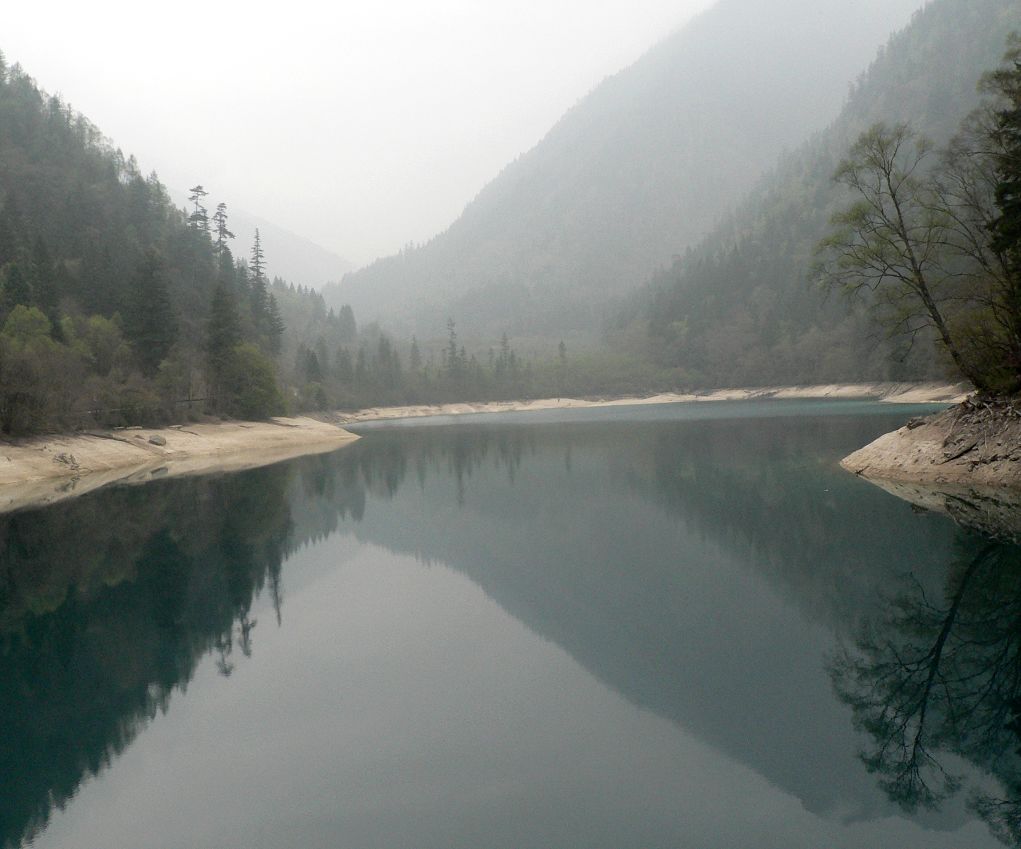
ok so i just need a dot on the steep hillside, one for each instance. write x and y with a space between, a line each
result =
740 309
635 173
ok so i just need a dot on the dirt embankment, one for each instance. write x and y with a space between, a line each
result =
42 470
975 443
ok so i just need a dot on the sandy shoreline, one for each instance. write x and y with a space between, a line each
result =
975 445
44 470
902 393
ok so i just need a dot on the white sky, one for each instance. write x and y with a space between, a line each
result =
360 125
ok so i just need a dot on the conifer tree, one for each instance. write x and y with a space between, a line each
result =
223 335
1006 229
44 283
274 326
152 322
257 283
220 228
199 218
16 289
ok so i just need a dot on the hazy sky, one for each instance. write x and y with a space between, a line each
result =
361 125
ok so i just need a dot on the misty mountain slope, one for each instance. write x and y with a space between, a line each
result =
636 172
741 308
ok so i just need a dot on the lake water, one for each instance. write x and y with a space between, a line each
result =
675 626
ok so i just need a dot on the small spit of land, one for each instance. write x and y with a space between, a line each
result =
974 443
42 470
965 462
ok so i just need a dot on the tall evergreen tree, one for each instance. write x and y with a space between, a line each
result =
199 218
152 321
44 280
257 284
220 229
1006 85
223 335
16 289
274 326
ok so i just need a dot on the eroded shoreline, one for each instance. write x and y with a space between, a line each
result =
902 393
43 470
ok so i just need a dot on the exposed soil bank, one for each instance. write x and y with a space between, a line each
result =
973 444
904 393
43 470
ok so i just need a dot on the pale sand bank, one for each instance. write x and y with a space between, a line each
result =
976 445
43 470
903 393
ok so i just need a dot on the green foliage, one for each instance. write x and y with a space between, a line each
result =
152 322
922 239
37 374
248 384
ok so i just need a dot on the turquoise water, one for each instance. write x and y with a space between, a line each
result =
672 626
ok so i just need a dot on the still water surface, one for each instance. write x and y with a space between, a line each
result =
672 626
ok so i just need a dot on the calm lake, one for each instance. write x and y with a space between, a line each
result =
676 626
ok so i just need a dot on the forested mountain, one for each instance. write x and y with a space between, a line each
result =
741 309
116 307
635 173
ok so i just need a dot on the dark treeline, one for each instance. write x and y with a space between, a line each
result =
346 367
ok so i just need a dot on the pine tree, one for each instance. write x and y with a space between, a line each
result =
152 322
275 326
223 335
257 284
415 358
16 289
44 282
199 218
1006 229
220 228
347 327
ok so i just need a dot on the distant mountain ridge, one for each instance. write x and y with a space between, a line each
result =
635 173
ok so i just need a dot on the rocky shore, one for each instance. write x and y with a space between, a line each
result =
975 443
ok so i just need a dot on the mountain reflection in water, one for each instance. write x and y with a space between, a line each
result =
710 571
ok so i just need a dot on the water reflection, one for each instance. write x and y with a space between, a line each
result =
935 680
106 605
696 568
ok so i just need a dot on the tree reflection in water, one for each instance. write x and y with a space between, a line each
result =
933 681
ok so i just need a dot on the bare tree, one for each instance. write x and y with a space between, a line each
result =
891 243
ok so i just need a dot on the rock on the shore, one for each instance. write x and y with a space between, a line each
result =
974 443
